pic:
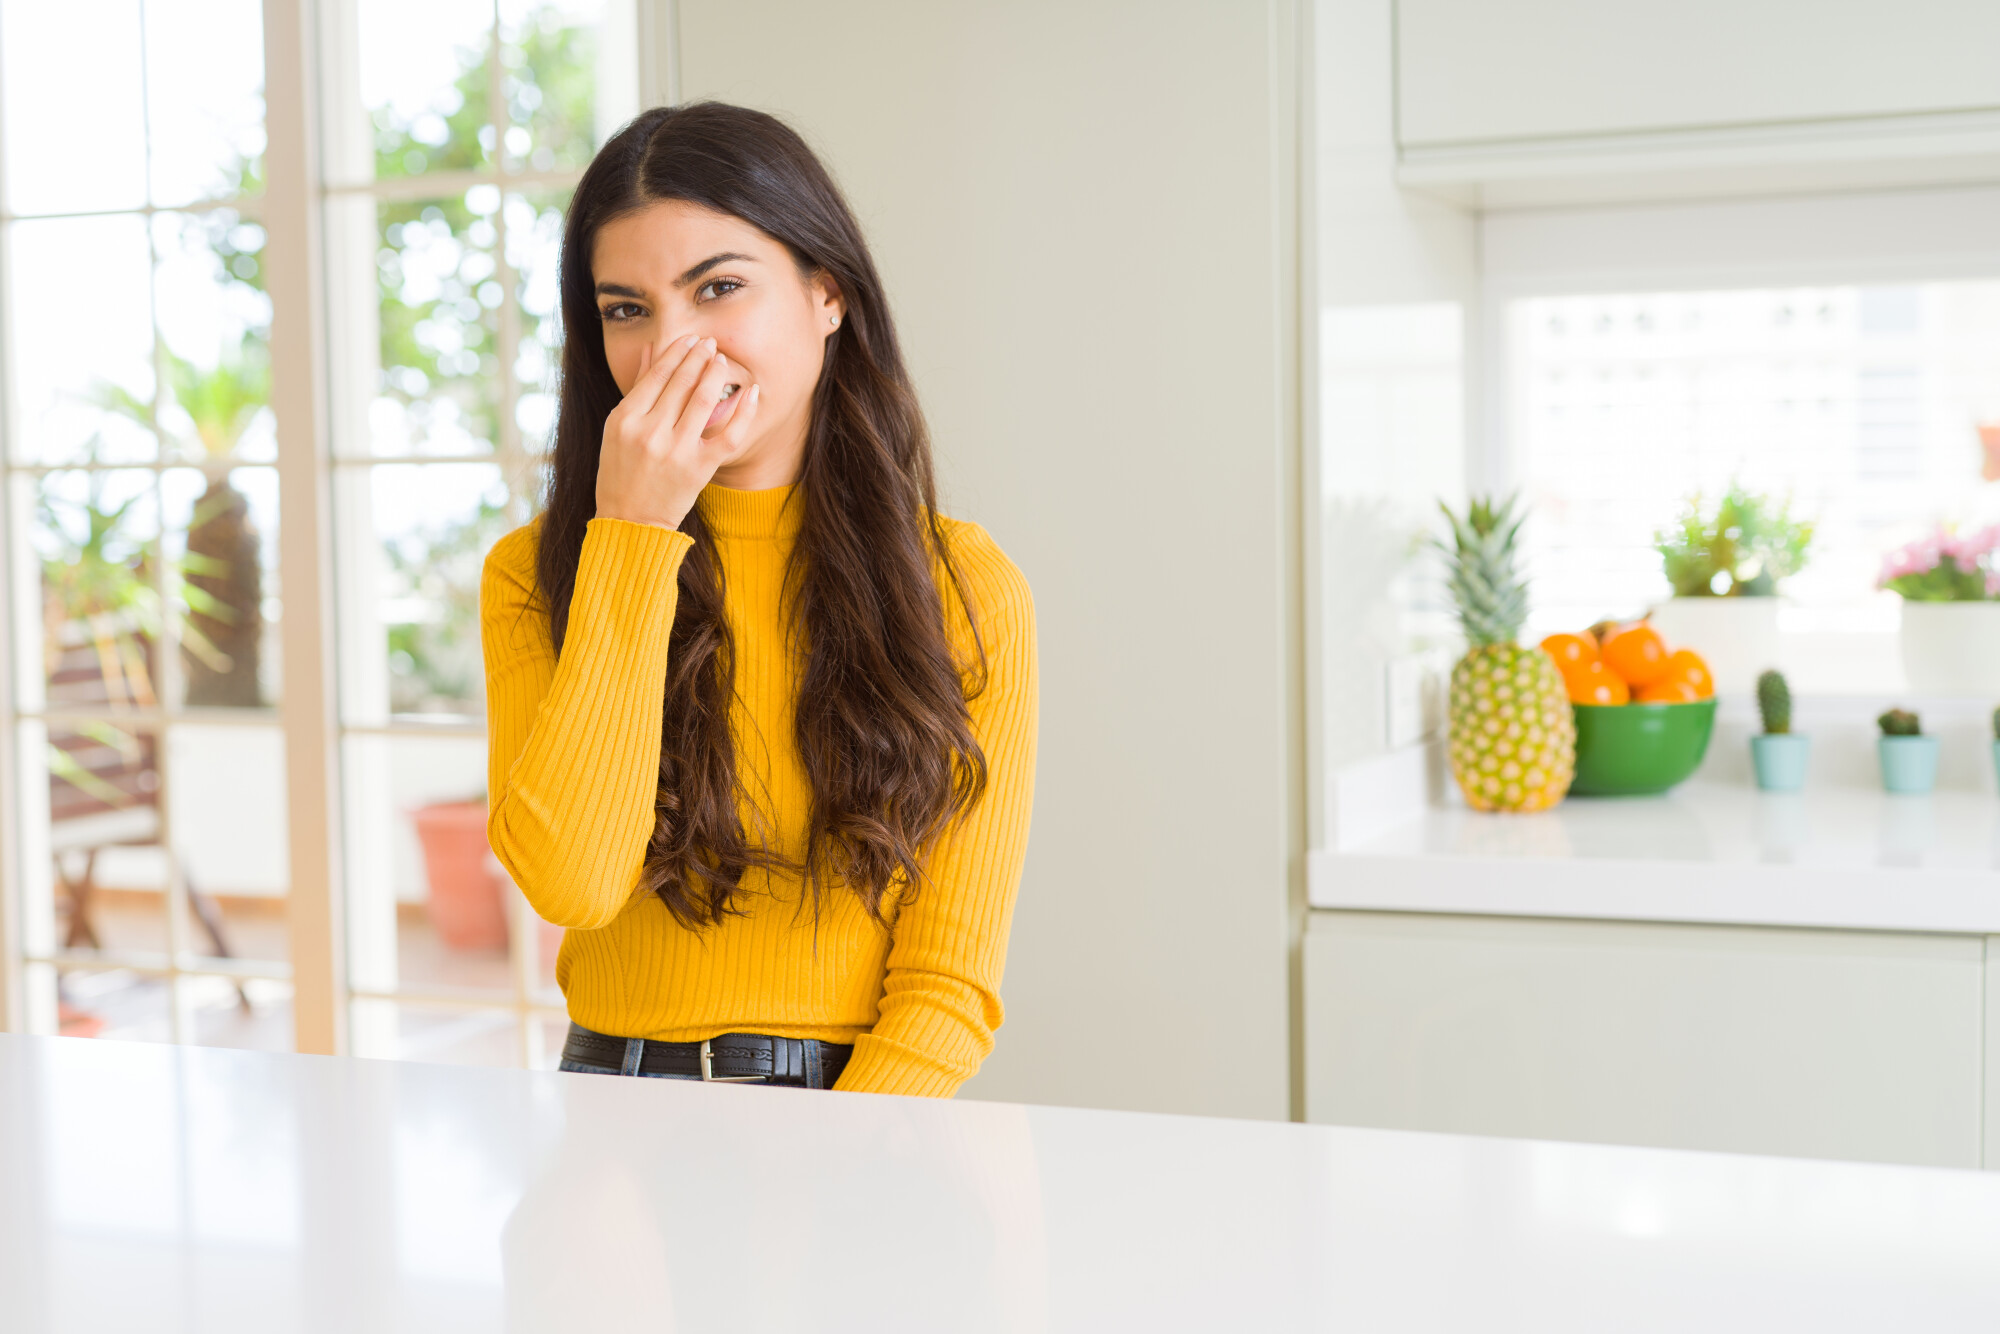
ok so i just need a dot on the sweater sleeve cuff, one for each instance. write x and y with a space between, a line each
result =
883 1065
620 550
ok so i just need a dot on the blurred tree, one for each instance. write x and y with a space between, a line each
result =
440 297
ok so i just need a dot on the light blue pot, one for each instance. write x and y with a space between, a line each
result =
1909 763
1780 761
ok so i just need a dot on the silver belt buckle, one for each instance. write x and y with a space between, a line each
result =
708 1075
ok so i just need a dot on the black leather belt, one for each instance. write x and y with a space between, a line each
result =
737 1058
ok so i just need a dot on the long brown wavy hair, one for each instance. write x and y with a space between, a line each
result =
882 724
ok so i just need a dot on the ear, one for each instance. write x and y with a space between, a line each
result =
829 306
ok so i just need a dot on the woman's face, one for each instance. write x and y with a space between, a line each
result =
675 268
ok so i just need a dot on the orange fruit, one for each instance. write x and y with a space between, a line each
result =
1636 653
1687 665
1594 683
1570 651
1671 690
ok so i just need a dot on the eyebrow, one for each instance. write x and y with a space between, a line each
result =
710 263
619 289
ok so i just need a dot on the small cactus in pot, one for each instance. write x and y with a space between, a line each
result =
1778 756
1774 702
1909 758
1900 722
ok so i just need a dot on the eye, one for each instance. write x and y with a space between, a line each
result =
620 311
716 287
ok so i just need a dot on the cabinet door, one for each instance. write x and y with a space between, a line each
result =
1480 71
1819 1044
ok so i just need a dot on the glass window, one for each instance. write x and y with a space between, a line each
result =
143 524
1864 407
460 131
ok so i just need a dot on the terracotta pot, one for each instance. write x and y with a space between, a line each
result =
464 905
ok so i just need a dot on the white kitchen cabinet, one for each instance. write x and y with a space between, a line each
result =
1811 1043
1481 71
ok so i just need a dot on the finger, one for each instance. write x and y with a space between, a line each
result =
681 382
706 393
734 434
652 381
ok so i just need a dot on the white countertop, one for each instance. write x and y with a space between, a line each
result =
183 1189
1843 857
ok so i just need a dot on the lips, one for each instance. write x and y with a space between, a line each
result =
725 408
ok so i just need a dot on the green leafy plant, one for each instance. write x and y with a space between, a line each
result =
1744 547
1774 703
97 582
1899 722
96 573
1996 724
222 571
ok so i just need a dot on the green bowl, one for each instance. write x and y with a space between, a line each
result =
1627 749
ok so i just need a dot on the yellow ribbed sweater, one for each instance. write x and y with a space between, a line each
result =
574 763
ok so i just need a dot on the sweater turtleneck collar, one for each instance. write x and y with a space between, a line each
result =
752 515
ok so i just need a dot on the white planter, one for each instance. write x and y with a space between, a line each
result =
1952 648
1737 637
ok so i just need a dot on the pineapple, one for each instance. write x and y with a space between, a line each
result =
1513 737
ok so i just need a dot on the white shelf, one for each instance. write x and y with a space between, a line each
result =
1840 857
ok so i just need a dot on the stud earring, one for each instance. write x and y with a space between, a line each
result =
834 320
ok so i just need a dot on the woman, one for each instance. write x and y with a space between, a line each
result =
762 721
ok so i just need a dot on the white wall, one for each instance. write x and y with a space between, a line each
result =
1398 286
1084 215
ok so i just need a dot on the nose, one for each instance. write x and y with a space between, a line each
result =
669 335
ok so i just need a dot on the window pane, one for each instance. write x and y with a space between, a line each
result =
108 892
96 535
1861 406
205 98
83 61
423 83
549 55
105 604
222 529
81 319
114 1003
215 322
534 252
439 326
428 905
416 536
226 792
104 815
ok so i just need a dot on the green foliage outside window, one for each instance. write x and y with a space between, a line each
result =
1744 547
440 298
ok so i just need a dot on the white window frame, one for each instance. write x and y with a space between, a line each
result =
1876 238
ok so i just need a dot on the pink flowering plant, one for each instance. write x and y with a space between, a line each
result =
1946 566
